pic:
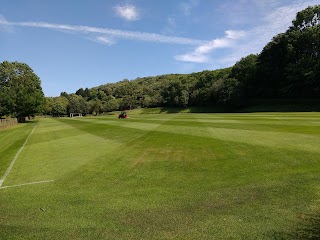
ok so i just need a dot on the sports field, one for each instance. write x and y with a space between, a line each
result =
162 176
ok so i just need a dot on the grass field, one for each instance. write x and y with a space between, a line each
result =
163 176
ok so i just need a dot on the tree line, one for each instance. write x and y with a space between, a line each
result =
288 67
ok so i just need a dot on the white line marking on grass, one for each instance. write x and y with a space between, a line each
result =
24 184
15 157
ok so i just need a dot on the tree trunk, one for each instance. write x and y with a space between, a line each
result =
21 119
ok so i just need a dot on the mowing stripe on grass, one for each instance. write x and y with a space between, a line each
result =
24 184
16 156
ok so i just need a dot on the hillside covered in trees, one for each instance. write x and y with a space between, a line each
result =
287 68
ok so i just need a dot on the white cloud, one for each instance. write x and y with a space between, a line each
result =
276 21
3 21
4 24
216 43
192 57
104 40
245 12
199 54
186 7
235 34
108 32
127 12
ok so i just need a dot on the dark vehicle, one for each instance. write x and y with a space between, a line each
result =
122 115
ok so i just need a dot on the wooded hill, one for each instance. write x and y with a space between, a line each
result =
287 68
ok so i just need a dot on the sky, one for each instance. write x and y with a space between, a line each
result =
87 43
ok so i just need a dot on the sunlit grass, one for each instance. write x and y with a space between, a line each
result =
164 176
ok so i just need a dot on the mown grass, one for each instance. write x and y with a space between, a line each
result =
11 140
165 176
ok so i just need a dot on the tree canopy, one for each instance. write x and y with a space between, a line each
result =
309 17
20 90
287 67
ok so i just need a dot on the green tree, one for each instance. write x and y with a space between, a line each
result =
60 105
20 90
95 107
47 106
245 71
303 66
111 105
128 91
81 92
307 18
289 65
226 91
6 101
77 104
64 94
102 95
271 65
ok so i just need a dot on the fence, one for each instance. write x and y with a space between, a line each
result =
7 122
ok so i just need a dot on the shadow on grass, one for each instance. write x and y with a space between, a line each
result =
281 108
281 105
251 106
169 110
308 228
228 109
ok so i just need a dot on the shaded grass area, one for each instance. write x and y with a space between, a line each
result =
172 177
283 105
251 106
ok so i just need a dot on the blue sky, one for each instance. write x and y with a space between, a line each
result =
85 43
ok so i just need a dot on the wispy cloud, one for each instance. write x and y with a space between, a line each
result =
239 43
231 34
199 55
103 40
127 12
4 24
106 33
243 12
275 21
187 6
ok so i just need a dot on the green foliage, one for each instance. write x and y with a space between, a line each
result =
48 105
76 104
226 91
56 106
111 105
287 67
5 101
60 106
95 107
307 18
303 68
270 67
20 90
245 71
